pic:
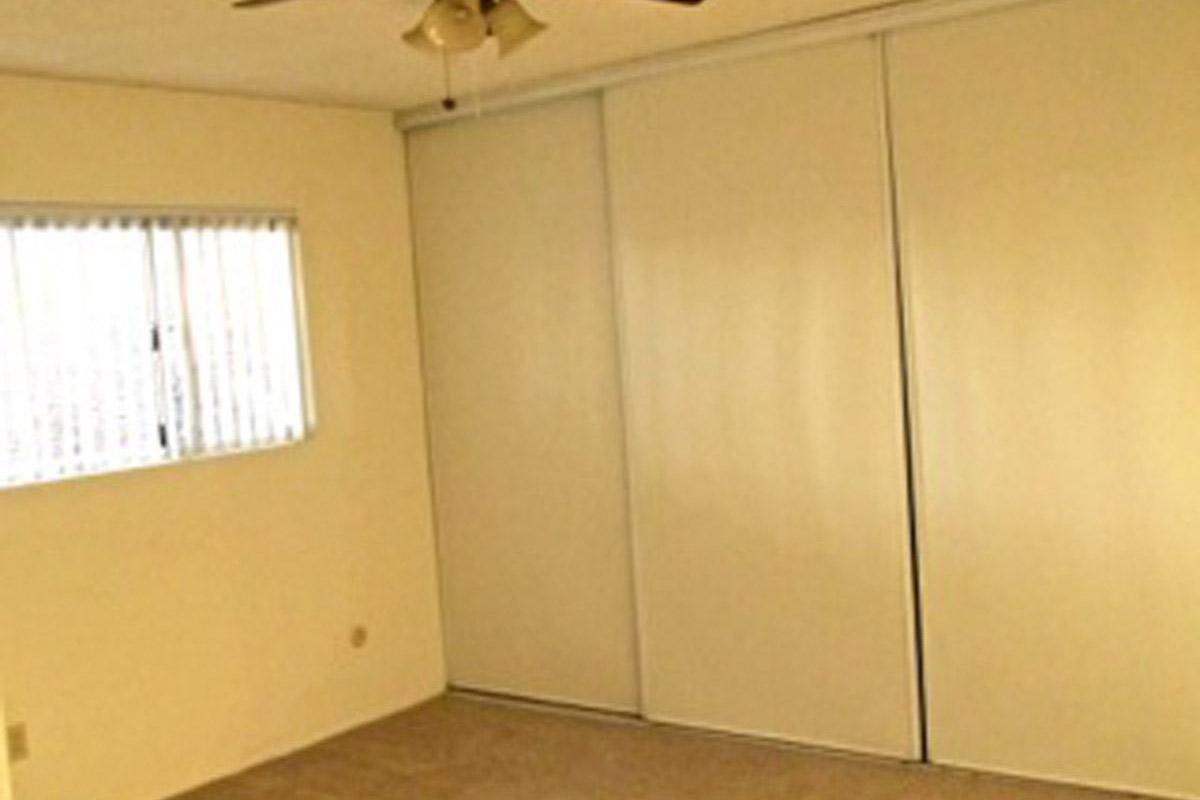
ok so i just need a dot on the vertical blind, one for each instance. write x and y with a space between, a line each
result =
126 342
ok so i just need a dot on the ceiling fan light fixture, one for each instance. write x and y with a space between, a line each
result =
451 26
512 25
417 38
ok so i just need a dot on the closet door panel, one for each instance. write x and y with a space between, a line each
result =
760 335
1049 163
520 358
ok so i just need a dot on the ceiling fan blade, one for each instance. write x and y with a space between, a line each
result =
255 3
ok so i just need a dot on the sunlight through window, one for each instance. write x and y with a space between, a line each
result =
130 342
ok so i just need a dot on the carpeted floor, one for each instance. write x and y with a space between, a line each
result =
463 748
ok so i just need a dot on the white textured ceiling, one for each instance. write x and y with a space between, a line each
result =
347 51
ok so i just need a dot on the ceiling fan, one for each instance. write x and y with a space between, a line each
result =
458 26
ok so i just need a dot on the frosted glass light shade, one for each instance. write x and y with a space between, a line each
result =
512 25
454 26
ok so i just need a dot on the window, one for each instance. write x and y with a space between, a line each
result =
129 341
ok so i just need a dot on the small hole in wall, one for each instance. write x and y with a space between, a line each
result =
358 637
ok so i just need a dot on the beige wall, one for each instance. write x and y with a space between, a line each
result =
158 629
5 776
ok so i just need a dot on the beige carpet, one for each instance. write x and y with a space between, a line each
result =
461 748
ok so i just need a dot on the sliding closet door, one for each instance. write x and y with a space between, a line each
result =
1050 191
760 335
520 348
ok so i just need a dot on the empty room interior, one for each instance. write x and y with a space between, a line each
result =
599 400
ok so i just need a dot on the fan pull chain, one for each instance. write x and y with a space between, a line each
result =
476 98
449 103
